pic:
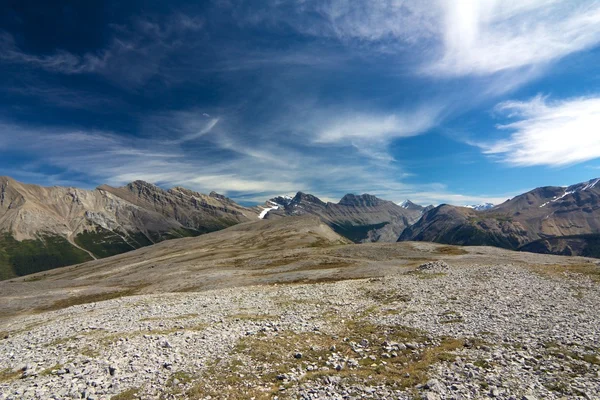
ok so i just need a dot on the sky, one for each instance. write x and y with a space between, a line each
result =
439 101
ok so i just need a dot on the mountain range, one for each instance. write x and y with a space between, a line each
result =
47 227
552 220
363 218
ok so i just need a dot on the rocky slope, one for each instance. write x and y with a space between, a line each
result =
47 227
558 220
363 218
300 315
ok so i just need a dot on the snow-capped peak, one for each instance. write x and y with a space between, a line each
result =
406 204
275 204
481 207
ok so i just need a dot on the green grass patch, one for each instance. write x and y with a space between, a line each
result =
129 394
257 361
588 269
451 250
7 375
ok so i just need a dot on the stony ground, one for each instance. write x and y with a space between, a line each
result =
436 332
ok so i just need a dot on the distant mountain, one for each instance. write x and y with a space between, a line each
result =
274 204
409 205
481 207
47 227
363 218
557 220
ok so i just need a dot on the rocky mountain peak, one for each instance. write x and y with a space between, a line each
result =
364 200
217 195
306 198
182 190
409 205
140 187
280 201
584 186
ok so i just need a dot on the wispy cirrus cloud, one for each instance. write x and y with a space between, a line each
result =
484 37
370 133
254 171
60 61
552 133
133 55
377 126
447 38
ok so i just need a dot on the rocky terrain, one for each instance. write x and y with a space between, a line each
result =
552 220
304 316
362 219
47 227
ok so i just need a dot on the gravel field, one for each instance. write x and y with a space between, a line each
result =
436 332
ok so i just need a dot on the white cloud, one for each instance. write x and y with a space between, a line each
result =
375 20
370 133
198 133
549 133
488 36
258 171
448 37
60 61
373 127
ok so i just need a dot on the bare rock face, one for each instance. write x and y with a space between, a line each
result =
46 227
363 218
553 220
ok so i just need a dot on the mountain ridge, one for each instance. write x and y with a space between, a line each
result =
46 227
360 218
549 219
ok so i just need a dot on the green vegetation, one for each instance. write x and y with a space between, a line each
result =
356 233
18 258
590 270
104 243
7 375
562 245
258 360
382 296
472 235
451 251
129 394
183 232
181 376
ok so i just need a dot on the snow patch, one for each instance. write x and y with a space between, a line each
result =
591 184
264 212
406 204
481 207
568 192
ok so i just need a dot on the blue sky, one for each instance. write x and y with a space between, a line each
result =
436 101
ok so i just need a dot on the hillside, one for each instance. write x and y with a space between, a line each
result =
287 308
47 227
